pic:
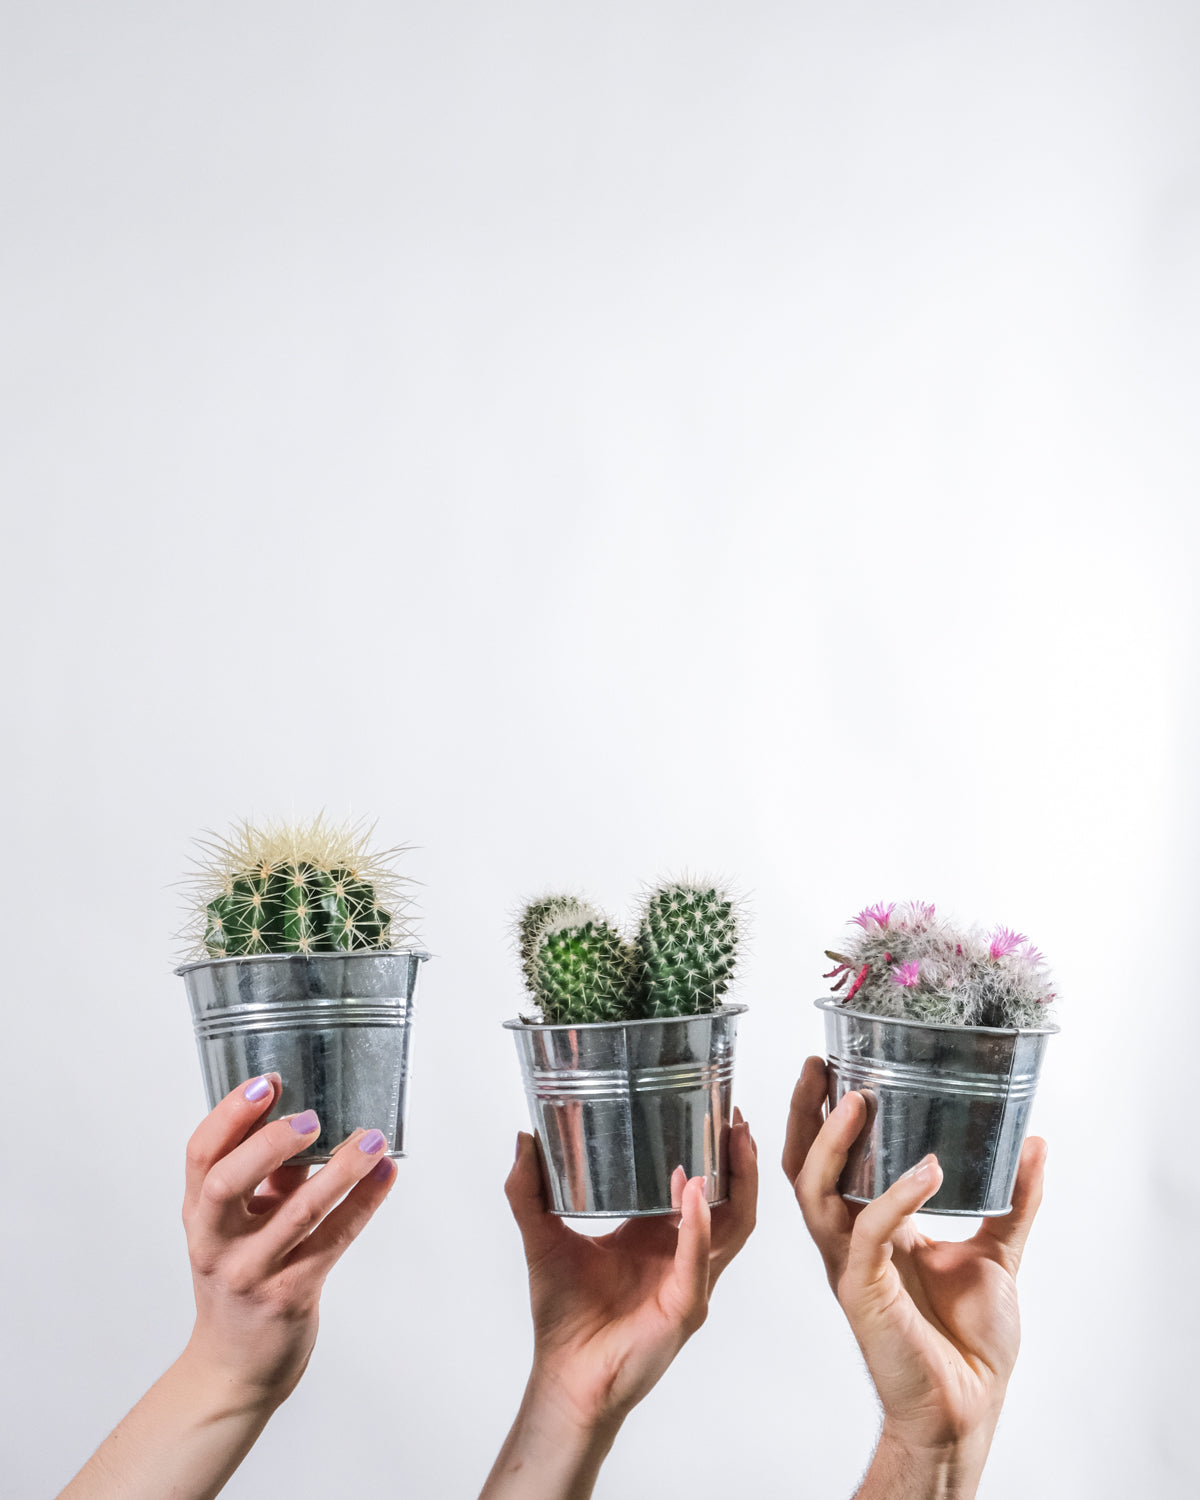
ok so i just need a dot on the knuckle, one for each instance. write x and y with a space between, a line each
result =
216 1190
303 1217
196 1157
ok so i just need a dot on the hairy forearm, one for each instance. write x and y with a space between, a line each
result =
548 1454
182 1441
904 1470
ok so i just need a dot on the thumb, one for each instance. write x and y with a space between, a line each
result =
870 1256
689 1273
526 1195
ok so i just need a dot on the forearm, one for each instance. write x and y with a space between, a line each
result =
904 1470
182 1441
548 1454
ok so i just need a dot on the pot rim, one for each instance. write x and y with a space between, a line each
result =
275 958
519 1024
828 1003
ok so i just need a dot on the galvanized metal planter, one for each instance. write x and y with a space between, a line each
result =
334 1026
618 1105
963 1092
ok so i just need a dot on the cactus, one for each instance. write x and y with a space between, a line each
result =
908 962
577 964
310 888
686 949
532 919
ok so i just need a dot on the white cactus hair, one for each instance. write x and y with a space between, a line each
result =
273 843
906 961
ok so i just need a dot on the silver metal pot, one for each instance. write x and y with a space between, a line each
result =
618 1105
963 1092
334 1026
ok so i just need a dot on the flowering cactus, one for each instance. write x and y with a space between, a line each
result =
906 961
314 887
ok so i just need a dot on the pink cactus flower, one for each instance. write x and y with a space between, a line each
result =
1004 940
879 914
907 974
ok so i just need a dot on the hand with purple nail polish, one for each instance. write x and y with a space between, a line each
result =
262 1237
936 1321
610 1313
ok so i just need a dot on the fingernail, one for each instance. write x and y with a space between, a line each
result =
382 1170
922 1169
517 1152
737 1116
842 1106
305 1123
256 1089
371 1142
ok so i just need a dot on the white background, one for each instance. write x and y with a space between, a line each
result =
600 440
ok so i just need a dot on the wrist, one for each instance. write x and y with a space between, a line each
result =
549 1406
220 1389
945 1466
554 1451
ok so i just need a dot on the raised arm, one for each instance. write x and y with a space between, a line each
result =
609 1316
262 1237
937 1322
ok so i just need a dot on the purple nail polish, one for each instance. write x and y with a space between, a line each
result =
382 1170
371 1142
256 1089
306 1123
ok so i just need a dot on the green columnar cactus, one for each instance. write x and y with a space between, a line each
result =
580 967
310 888
686 950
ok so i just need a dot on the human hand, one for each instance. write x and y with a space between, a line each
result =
609 1315
937 1322
263 1235
262 1239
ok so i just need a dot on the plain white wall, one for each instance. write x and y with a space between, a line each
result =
600 440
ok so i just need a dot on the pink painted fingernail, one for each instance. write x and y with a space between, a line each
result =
382 1171
371 1142
256 1089
306 1123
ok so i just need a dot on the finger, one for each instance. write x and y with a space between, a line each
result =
804 1116
825 1211
225 1126
870 1255
325 1246
689 1273
678 1182
299 1216
1004 1237
280 1185
540 1229
226 1190
734 1220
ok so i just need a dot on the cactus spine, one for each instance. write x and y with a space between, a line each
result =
315 887
686 949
